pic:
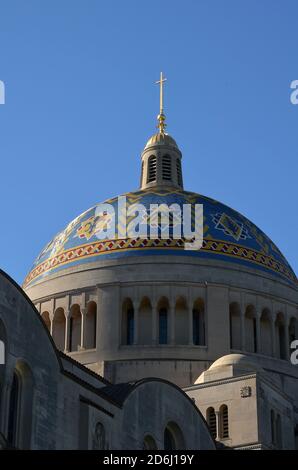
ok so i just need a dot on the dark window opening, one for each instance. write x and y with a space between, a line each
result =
166 168
163 326
179 172
151 169
169 441
13 410
130 327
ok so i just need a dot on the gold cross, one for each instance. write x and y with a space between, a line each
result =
161 82
161 117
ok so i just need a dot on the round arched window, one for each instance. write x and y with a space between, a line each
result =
173 437
149 443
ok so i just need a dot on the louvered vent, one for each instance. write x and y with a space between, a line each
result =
151 169
211 421
179 172
225 422
166 168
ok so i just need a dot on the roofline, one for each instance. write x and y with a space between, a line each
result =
180 390
59 354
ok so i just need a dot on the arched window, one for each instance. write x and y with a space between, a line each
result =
224 422
130 327
272 425
181 322
91 325
278 431
173 437
145 322
280 336
250 326
166 168
99 437
127 322
46 318
211 421
59 324
235 326
169 441
179 172
75 328
13 412
151 175
149 443
265 333
163 326
198 323
20 407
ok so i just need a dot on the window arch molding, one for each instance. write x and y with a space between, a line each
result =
173 437
149 442
21 406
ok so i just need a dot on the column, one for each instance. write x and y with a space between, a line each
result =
273 334
83 328
242 323
287 339
51 323
136 304
190 322
217 425
67 330
154 322
258 331
172 321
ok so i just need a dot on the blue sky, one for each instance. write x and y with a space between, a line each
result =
81 103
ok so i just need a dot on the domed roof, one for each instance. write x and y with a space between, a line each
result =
231 365
228 237
161 139
245 362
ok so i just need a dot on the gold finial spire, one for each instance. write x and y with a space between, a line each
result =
161 117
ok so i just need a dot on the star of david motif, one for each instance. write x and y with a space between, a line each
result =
232 227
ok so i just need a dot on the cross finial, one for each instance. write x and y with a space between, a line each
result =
161 117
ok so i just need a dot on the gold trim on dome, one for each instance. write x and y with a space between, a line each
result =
161 139
217 247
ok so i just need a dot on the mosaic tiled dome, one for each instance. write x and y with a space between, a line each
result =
228 236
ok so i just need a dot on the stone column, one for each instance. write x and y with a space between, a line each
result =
274 354
136 304
242 323
217 425
154 322
172 321
190 322
287 339
258 331
83 327
67 330
51 323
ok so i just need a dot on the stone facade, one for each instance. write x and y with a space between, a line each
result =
245 407
50 401
132 307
